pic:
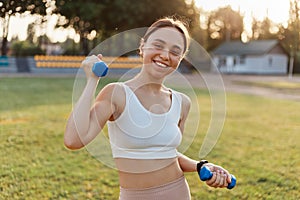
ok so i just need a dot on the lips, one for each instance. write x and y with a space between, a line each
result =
160 64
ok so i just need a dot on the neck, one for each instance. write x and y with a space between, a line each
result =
145 81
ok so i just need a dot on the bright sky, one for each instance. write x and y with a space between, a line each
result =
277 11
18 27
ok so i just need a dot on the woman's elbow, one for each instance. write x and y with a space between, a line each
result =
72 146
72 143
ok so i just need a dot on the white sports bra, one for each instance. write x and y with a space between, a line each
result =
140 134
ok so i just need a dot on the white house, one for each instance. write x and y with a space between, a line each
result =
254 57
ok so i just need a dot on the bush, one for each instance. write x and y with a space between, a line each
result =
25 48
297 63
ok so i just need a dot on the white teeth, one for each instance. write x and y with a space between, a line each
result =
161 64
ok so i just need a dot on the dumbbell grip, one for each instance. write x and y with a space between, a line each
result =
205 174
100 69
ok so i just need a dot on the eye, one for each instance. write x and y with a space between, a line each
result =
158 46
175 52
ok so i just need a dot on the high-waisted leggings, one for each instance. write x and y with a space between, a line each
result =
175 190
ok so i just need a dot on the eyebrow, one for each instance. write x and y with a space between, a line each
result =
174 46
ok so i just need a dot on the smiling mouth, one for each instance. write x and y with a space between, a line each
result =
160 64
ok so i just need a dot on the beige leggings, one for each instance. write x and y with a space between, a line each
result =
175 190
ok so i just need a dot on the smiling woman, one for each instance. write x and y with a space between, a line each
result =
159 43
145 120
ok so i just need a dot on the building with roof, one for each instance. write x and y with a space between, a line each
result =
254 57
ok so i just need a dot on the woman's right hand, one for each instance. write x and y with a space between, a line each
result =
221 177
87 65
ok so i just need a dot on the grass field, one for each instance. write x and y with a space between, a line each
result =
260 144
277 85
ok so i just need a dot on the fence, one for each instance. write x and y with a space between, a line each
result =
75 62
71 64
4 62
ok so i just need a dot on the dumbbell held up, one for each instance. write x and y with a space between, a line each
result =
100 69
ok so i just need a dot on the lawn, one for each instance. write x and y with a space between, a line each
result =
260 145
286 86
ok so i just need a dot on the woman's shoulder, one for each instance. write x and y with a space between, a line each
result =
185 104
113 87
114 91
185 99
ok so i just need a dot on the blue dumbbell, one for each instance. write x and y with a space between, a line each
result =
100 69
205 174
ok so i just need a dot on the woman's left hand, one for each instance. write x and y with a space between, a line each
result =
221 177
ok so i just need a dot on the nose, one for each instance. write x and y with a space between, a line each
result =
164 54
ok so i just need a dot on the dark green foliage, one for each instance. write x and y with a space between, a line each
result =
10 8
25 48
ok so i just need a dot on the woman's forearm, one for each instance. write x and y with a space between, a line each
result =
79 120
187 164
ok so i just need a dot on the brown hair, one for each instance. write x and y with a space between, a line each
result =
170 22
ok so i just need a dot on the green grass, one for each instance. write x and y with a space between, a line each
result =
260 144
277 85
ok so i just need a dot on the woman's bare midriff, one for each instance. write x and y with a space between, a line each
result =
138 174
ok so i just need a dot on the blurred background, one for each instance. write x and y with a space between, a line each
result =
253 43
66 27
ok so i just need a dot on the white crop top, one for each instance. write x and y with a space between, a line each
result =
140 134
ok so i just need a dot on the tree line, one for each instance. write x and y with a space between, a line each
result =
107 17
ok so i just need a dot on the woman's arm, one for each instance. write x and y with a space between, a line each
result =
85 121
186 164
221 177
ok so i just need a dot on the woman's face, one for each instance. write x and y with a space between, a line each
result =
163 51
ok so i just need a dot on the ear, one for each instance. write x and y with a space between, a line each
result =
142 43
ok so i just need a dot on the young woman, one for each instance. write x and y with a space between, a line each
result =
145 120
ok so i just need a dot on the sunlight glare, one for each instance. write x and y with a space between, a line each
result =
277 12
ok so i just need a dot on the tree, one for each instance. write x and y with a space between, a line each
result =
10 8
25 48
129 14
262 29
83 16
293 26
290 36
223 25
108 17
